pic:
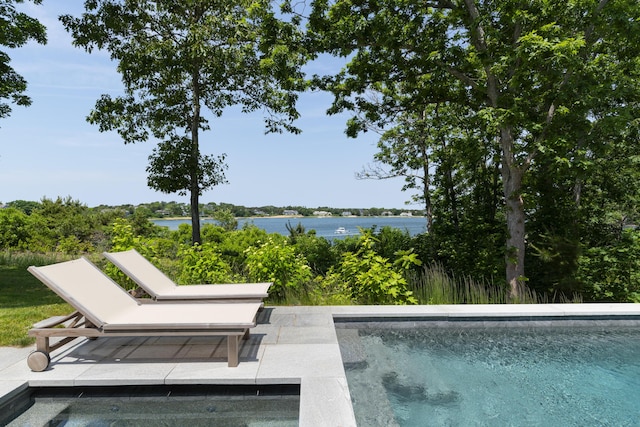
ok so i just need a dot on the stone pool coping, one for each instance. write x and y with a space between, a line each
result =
290 345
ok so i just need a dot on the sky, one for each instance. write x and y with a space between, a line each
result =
48 150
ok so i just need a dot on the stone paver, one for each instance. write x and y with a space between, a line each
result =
290 345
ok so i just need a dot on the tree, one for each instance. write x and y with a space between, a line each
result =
538 74
178 58
16 29
426 148
225 219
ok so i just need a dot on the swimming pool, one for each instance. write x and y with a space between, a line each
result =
421 375
154 405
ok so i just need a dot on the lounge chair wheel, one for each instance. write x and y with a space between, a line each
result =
38 361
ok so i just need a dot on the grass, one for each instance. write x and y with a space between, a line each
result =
24 300
434 286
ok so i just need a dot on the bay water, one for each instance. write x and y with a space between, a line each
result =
324 226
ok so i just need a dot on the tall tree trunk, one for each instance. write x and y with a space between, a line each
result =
512 184
195 217
426 190
511 171
450 192
195 156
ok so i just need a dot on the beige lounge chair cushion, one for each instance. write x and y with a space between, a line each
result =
178 317
222 291
87 289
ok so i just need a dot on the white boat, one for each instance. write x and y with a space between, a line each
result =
341 230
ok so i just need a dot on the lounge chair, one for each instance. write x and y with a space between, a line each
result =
161 288
104 309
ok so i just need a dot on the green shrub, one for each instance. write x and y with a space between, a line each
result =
371 278
612 272
390 240
225 219
234 245
317 251
212 233
328 290
73 245
14 229
54 221
277 261
203 264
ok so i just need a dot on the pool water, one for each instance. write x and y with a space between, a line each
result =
157 406
502 376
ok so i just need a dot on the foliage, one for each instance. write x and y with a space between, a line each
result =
612 271
432 285
178 58
26 206
160 250
583 205
64 225
326 290
472 249
16 29
14 230
389 241
234 245
141 224
533 86
595 259
123 239
277 261
172 209
295 231
226 219
318 251
203 264
371 278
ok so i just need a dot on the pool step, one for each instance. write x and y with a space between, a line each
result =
353 353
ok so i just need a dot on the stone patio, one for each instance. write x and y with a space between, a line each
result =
290 345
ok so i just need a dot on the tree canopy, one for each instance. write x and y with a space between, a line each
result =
551 85
16 29
180 60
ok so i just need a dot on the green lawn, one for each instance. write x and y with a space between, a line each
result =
24 300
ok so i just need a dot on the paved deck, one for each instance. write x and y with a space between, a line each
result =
290 345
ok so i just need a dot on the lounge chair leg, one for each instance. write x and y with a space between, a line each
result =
232 351
42 344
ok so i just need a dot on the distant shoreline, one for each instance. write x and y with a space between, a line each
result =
177 218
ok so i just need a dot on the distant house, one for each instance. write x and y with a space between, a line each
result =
346 213
406 214
290 212
322 213
386 213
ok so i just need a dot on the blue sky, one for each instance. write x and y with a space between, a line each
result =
49 150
